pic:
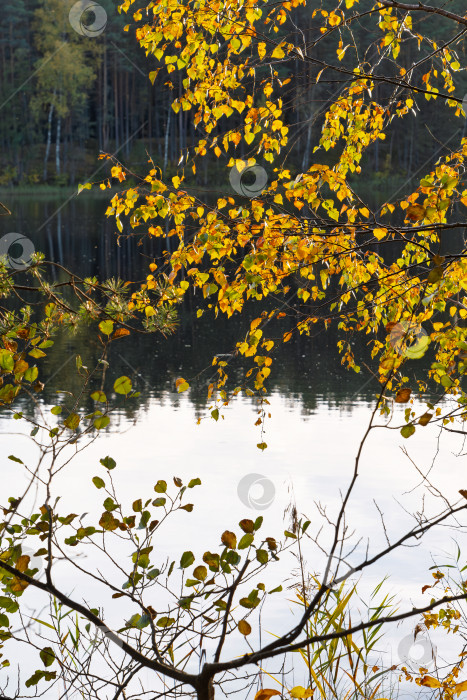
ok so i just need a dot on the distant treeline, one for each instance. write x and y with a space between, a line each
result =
66 97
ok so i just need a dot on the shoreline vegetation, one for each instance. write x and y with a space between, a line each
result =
380 184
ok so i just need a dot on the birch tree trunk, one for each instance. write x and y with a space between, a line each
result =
49 138
57 146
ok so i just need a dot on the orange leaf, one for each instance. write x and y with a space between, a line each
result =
265 694
23 563
403 395
460 687
430 682
120 332
229 539
415 212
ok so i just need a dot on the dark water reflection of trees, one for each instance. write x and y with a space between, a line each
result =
80 237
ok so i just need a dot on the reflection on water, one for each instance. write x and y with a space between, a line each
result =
319 414
77 235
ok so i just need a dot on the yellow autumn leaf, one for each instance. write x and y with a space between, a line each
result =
300 692
380 233
278 52
244 627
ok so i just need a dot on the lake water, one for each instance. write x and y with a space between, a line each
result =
319 413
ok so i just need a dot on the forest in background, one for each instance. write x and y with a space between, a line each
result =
64 98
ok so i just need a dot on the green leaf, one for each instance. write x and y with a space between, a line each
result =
36 353
7 361
144 621
157 502
200 573
165 622
212 560
99 396
246 541
247 603
15 459
133 621
187 559
47 656
39 675
106 327
101 422
262 556
86 186
109 504
8 604
108 522
418 349
144 520
31 374
72 421
56 410
98 482
407 431
122 385
258 522
161 486
4 621
194 482
108 463
215 414
290 534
